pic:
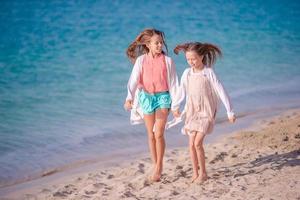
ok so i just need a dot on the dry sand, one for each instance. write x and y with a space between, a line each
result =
262 162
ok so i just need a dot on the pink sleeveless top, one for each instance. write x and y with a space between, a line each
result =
154 74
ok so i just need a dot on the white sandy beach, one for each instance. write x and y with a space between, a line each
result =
262 162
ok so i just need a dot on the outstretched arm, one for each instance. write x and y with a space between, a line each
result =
222 94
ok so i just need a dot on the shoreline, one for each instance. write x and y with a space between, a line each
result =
118 157
138 163
248 163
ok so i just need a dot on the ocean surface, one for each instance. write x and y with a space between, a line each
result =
63 71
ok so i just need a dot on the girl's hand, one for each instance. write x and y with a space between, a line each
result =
232 119
128 105
176 113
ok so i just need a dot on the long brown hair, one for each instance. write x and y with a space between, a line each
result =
209 52
138 46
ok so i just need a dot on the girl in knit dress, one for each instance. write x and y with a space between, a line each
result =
201 88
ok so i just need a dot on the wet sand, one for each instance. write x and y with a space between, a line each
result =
260 162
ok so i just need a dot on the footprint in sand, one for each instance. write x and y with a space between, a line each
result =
226 172
99 185
108 188
215 175
234 156
104 193
30 197
219 157
110 176
285 139
141 167
271 122
78 179
67 190
174 193
239 174
146 183
182 173
174 152
165 181
61 194
179 167
189 169
45 191
103 173
128 194
130 186
90 192
85 197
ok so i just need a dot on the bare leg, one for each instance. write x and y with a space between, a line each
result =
161 116
149 122
193 155
201 156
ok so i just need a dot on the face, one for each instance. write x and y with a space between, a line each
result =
194 60
156 44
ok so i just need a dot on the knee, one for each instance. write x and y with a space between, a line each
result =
192 146
151 136
198 145
159 136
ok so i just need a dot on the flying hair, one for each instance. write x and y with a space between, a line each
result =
209 52
138 46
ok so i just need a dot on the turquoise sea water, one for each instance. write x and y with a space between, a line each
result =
63 70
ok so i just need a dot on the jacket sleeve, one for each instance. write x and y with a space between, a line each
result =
221 92
174 86
134 79
183 87
181 97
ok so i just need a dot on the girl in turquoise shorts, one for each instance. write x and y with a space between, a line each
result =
152 91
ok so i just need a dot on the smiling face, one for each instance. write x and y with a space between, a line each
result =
155 45
194 60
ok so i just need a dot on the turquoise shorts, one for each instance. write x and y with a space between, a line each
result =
151 102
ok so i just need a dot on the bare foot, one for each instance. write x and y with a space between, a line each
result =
157 174
201 179
194 177
154 178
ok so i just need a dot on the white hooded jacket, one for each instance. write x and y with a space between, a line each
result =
136 115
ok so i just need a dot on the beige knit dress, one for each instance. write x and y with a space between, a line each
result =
201 104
